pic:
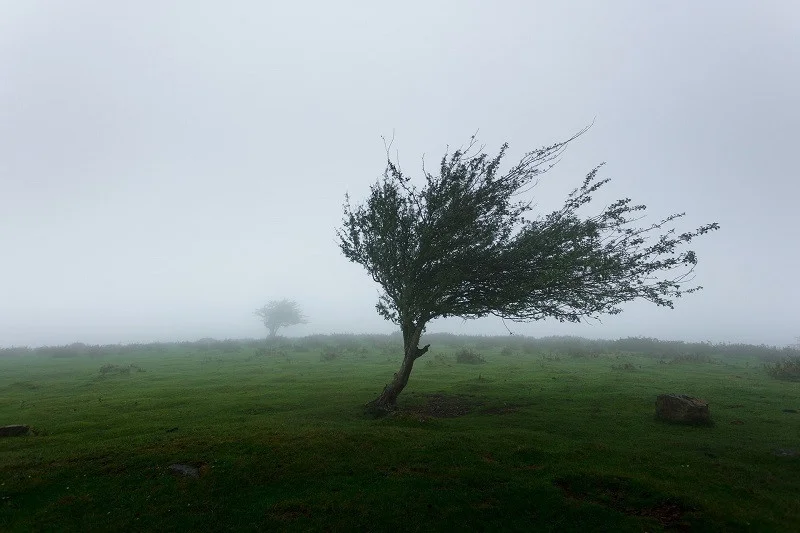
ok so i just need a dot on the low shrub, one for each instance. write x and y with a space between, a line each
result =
110 369
508 351
467 356
271 351
330 353
787 369
360 352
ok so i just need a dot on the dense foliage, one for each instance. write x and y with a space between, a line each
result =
462 245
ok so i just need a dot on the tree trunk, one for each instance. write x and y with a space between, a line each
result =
387 400
273 330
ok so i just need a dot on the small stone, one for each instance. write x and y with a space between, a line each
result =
195 470
185 470
14 430
682 409
785 452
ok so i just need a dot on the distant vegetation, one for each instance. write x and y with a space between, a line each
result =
783 363
787 369
279 314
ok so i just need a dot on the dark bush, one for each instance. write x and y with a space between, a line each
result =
114 369
110 369
467 356
508 351
271 351
361 352
330 353
787 369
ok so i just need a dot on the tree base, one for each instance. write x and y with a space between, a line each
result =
378 409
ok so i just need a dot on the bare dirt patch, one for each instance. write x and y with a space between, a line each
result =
441 405
629 497
290 510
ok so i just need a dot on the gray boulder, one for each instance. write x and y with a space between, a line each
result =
682 409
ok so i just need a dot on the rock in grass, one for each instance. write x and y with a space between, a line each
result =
13 430
682 409
191 470
786 452
185 470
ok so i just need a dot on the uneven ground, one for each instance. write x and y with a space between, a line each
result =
279 441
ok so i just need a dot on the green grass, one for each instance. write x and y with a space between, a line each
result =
550 442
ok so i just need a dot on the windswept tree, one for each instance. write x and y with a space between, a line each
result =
280 313
462 245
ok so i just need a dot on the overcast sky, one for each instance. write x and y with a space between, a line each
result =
166 167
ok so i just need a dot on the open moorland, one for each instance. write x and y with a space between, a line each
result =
512 434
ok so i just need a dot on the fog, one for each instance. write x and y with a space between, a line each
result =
168 167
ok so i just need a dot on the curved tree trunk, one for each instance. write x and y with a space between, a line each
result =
387 400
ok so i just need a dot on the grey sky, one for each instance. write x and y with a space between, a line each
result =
167 167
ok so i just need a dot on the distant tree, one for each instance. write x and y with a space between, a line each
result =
280 313
462 246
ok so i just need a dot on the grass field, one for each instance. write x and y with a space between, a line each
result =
543 437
